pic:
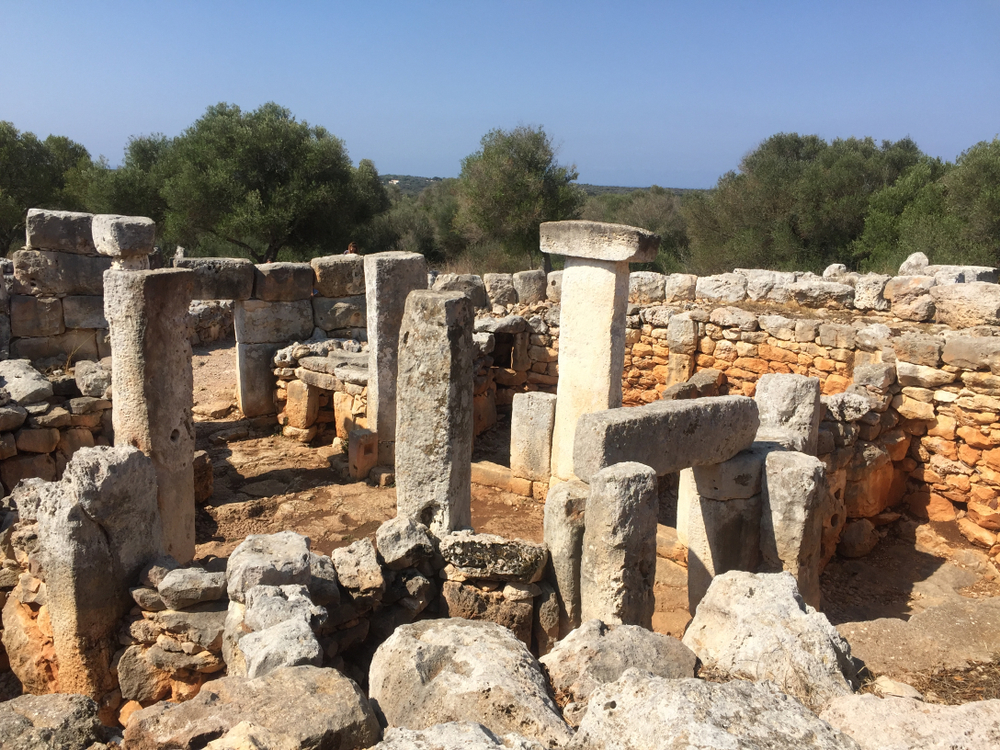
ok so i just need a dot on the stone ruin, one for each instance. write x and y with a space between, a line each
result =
428 635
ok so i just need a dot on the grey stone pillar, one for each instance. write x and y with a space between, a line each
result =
618 568
434 411
565 512
389 277
791 530
531 422
592 320
152 383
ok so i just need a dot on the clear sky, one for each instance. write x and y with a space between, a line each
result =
633 93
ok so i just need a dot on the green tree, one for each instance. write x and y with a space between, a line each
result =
261 182
513 184
33 175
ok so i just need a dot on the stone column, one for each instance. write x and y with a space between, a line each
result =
618 568
152 383
389 277
434 411
592 320
565 512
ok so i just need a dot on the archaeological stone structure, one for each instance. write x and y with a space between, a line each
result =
777 420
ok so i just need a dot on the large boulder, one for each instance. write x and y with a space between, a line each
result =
644 712
438 671
595 654
756 627
312 707
67 722
903 723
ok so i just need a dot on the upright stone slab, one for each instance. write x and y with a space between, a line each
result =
434 411
594 299
95 530
791 531
389 277
531 422
152 383
618 567
565 509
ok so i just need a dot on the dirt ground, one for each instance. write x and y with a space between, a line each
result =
265 482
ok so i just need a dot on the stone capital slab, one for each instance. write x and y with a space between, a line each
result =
599 240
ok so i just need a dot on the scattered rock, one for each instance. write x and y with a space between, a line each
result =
493 558
271 559
184 587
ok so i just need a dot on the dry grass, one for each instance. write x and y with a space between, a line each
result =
978 682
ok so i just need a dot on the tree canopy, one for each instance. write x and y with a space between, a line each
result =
513 184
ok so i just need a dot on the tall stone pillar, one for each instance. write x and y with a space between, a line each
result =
389 277
152 383
591 321
434 411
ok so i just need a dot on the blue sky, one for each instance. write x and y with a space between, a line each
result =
633 93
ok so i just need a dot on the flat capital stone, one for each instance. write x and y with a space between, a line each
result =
599 240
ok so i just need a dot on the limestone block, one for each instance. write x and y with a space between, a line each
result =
553 292
922 376
645 287
591 349
12 416
601 241
813 293
869 476
666 435
389 278
67 231
500 288
868 292
469 284
47 272
791 528
469 602
914 264
971 352
489 557
301 405
791 403
878 377
726 288
403 543
954 274
283 282
339 275
733 317
530 286
74 345
255 378
261 322
24 384
722 535
679 287
618 566
434 419
268 560
531 423
152 382
739 477
765 284
36 316
362 452
682 334
344 312
220 278
42 440
83 312
967 305
919 349
565 507
123 237
16 468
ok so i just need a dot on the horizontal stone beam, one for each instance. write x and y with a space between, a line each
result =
599 240
665 435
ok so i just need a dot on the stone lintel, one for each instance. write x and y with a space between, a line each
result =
599 240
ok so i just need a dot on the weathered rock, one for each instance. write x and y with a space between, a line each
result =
967 305
339 275
599 241
92 378
903 723
857 539
452 735
596 654
36 316
645 287
553 292
814 293
791 530
402 542
289 643
12 416
44 273
665 435
790 404
283 282
618 566
201 624
457 670
24 383
915 263
868 292
469 602
184 587
565 507
434 424
66 231
492 558
341 312
678 287
359 571
67 722
389 278
309 706
263 322
500 288
126 239
469 284
725 288
757 627
272 560
641 711
219 278
530 286
531 424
